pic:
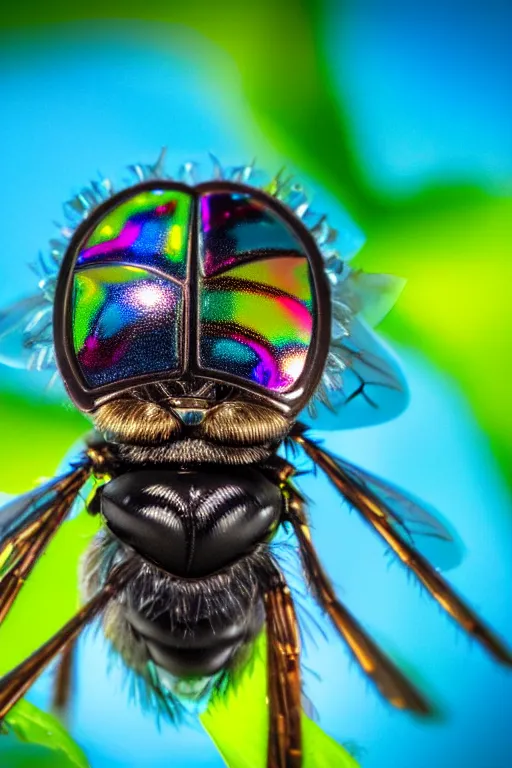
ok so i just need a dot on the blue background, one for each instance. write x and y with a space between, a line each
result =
99 95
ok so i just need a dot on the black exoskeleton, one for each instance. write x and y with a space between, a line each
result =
207 529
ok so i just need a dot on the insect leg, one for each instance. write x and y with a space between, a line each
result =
26 543
15 684
374 512
63 681
29 522
390 681
284 681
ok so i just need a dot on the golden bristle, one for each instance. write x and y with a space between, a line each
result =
137 422
242 423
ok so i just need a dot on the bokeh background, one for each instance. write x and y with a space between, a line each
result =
397 115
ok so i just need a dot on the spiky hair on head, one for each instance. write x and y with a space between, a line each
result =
358 299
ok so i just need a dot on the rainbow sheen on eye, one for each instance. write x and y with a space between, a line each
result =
128 290
236 227
150 229
255 292
254 316
256 299
289 275
127 322
256 322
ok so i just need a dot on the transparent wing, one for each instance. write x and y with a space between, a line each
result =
415 522
394 515
411 518
369 389
26 343
26 335
22 512
388 678
370 295
28 523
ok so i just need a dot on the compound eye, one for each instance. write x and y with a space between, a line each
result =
256 293
215 282
126 323
127 300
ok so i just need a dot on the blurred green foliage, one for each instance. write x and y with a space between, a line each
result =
452 243
36 446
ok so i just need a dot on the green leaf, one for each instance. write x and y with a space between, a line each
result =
36 738
237 722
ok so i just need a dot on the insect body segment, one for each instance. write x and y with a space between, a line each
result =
208 532
195 324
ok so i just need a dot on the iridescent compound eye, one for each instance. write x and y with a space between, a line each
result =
166 282
256 296
128 289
